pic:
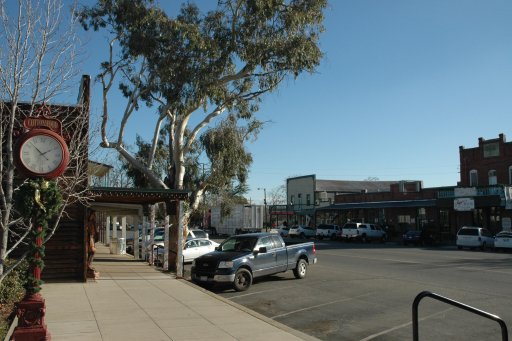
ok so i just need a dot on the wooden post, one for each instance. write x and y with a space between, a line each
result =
179 251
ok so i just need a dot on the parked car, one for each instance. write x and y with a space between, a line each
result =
474 237
192 249
281 230
327 231
503 241
241 258
302 232
192 234
417 237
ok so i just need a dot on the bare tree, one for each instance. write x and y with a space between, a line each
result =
277 195
38 46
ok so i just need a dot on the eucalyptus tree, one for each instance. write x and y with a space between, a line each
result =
195 69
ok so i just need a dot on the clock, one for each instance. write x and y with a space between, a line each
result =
41 153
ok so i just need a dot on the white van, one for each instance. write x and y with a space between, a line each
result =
472 237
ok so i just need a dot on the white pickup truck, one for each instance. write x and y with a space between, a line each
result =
327 231
362 231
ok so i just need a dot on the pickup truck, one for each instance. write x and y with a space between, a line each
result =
240 258
363 232
327 231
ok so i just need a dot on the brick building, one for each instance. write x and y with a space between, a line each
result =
482 197
486 165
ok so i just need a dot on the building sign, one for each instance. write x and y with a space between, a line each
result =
464 204
464 192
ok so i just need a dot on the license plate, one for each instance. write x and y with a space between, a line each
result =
203 278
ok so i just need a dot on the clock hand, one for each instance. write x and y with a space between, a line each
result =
33 145
49 150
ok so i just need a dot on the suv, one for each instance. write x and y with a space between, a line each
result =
301 232
472 236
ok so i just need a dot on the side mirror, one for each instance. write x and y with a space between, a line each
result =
262 249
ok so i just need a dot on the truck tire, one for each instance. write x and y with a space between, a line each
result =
364 239
302 235
243 280
301 269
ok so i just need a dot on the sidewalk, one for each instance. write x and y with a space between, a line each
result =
134 301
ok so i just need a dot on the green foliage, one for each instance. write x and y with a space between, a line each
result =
40 200
11 291
228 56
160 164
230 161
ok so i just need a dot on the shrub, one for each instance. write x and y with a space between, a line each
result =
11 292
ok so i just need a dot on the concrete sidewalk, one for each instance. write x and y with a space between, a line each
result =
134 301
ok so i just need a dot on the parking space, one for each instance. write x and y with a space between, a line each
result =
365 292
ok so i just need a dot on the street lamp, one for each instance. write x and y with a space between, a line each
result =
264 203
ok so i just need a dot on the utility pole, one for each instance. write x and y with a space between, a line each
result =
265 208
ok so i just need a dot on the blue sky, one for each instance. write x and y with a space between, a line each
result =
402 85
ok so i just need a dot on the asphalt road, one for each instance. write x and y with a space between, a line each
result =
366 291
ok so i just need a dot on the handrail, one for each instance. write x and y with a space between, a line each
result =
421 295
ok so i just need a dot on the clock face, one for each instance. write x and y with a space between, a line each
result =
41 154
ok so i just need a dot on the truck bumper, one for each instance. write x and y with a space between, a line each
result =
214 278
224 278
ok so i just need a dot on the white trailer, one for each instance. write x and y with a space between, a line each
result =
243 218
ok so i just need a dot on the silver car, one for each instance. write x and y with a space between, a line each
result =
474 237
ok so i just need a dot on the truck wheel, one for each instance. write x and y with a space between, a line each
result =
301 269
333 236
243 280
302 235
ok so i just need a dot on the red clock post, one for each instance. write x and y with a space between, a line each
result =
41 154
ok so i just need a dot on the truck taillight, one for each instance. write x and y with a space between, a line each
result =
314 249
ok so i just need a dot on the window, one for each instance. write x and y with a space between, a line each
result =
510 175
404 219
308 199
277 242
473 178
492 177
491 149
266 242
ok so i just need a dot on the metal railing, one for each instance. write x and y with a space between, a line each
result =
421 295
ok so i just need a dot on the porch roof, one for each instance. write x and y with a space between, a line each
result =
136 195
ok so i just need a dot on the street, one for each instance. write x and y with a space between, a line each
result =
366 291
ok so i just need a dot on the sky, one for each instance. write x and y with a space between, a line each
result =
403 84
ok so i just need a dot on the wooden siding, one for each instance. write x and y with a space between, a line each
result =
65 251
